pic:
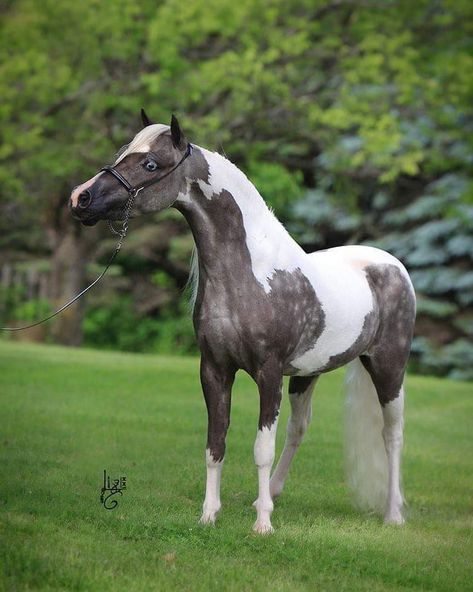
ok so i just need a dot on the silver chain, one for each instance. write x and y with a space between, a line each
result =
122 234
126 216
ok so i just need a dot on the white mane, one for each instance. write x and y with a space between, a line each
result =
258 219
142 141
270 245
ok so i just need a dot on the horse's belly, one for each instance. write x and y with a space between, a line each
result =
349 323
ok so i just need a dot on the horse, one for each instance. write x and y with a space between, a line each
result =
263 305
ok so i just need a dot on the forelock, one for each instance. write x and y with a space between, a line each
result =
143 140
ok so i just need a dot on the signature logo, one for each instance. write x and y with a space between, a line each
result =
110 489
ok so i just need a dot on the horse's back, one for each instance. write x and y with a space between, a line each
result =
364 270
380 270
358 256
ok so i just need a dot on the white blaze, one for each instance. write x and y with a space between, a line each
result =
81 188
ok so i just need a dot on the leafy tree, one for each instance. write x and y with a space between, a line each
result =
354 120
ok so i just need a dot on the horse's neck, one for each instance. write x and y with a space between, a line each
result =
230 220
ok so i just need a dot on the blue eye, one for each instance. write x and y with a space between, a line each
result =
151 165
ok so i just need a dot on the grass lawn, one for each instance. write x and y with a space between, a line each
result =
67 414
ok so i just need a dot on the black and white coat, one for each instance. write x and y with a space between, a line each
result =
265 306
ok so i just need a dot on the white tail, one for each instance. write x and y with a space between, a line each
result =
365 453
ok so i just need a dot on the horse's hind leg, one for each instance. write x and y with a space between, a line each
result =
300 397
386 363
393 438
388 382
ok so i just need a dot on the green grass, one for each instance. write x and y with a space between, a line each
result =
67 414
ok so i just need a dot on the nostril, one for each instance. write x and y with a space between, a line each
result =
84 199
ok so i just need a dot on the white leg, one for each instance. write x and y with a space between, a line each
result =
212 503
264 457
301 412
393 438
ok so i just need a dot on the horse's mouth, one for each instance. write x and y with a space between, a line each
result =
91 219
90 222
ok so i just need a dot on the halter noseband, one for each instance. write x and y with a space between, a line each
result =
133 191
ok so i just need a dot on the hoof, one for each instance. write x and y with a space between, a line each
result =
208 518
261 527
394 518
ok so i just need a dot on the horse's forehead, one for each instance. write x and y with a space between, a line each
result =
159 143
143 143
147 146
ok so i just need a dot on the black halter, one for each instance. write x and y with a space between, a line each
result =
133 191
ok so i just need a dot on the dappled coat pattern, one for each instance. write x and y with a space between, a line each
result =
263 305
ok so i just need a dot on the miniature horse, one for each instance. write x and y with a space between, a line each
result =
265 306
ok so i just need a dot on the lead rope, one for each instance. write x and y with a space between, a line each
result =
122 234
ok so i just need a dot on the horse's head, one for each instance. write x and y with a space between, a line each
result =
150 168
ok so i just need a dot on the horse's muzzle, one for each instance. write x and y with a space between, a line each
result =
81 210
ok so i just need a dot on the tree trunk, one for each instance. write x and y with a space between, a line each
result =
70 255
68 278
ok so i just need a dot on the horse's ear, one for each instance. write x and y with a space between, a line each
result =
145 119
176 133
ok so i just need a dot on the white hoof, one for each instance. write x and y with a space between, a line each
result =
263 527
394 517
209 516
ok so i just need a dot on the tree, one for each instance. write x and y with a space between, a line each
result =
353 119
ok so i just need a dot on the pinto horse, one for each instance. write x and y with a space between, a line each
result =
262 304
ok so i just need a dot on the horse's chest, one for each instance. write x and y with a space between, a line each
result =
243 320
233 323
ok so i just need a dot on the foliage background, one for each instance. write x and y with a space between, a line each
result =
353 119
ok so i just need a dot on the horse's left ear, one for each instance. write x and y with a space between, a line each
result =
145 119
176 134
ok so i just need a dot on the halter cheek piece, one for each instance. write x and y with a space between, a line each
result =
133 191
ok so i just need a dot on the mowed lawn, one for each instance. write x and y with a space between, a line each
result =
67 414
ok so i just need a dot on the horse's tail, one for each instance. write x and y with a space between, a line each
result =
366 459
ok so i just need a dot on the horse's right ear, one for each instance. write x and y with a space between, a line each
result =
145 119
176 134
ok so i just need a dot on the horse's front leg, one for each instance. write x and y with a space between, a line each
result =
217 384
269 380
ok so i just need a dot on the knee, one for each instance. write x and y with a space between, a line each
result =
265 446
